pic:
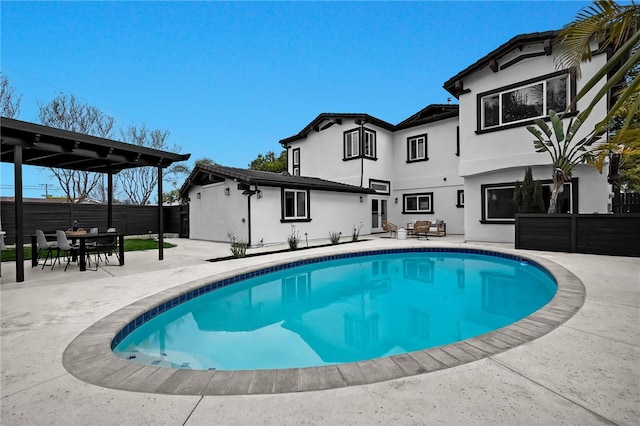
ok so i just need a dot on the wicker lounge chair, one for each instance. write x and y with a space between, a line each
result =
390 228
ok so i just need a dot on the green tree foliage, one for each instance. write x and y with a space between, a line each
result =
270 163
204 161
565 153
528 195
616 28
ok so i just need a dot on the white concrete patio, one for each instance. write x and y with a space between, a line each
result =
587 371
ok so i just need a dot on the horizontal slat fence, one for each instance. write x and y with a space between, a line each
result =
131 220
607 234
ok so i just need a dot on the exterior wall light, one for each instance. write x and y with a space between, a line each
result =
361 199
227 191
396 200
259 194
198 196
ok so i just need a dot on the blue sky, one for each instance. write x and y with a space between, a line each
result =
231 79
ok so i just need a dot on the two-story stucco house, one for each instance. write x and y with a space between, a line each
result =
412 166
499 95
458 163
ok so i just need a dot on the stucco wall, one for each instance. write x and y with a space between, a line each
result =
439 175
501 156
214 216
592 197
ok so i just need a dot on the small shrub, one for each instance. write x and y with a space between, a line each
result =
238 248
334 237
294 238
356 232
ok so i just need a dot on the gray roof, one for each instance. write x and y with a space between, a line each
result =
205 174
517 41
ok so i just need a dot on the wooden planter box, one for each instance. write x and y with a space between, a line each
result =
608 234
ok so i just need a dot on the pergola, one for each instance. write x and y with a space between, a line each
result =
37 145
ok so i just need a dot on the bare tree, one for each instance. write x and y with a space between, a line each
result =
138 184
68 113
9 101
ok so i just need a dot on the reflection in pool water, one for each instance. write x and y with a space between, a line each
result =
344 310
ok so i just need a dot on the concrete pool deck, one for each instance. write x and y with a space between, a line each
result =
586 371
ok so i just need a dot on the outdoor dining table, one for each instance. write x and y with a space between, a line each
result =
82 237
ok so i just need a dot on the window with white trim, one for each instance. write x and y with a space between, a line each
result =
515 104
417 148
498 205
296 162
359 143
369 143
460 198
352 144
295 204
380 186
417 203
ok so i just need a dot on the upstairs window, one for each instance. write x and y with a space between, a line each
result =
295 205
417 148
352 144
369 143
296 162
359 143
524 102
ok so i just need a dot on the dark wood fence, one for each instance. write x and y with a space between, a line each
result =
608 234
131 220
628 202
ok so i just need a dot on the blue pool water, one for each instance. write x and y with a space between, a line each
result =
343 310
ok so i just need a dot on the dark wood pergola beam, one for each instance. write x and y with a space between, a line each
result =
24 143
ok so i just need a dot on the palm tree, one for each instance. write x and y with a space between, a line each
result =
565 154
615 28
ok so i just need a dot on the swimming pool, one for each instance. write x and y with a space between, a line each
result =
90 358
346 309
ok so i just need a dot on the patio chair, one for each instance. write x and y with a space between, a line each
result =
65 246
43 244
390 228
438 228
91 247
107 244
421 227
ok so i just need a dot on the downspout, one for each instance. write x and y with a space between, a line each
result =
249 193
249 218
361 140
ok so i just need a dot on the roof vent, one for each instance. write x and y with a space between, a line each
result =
285 173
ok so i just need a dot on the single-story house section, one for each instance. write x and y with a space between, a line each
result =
260 207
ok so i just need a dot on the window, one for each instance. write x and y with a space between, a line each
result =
296 162
380 186
295 205
498 205
460 198
417 148
369 143
525 101
352 144
418 203
353 147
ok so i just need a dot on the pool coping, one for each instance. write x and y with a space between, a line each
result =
89 356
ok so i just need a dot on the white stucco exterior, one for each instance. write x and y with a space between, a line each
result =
215 216
468 160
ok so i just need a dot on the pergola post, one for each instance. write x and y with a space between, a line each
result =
110 199
160 217
19 211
